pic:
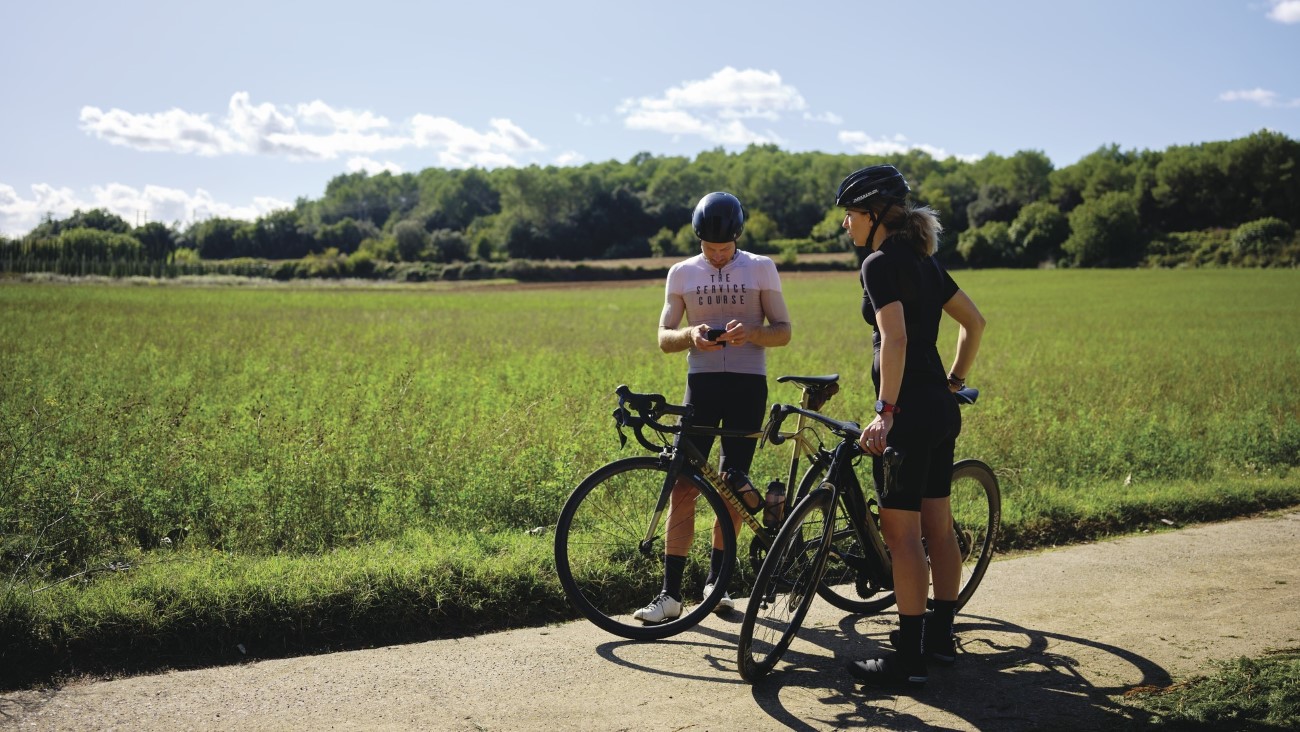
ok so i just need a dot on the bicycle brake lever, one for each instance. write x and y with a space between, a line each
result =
891 460
620 415
772 431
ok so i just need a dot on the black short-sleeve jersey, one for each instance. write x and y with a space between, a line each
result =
897 273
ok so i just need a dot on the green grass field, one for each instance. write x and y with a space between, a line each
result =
188 469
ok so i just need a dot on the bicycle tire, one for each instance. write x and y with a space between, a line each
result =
839 585
785 587
977 517
598 549
977 514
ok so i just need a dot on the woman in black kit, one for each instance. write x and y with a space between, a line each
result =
905 293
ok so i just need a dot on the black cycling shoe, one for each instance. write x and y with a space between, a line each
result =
934 647
892 670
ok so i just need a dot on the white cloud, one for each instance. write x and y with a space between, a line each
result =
586 120
1285 11
1262 97
320 113
667 121
713 108
735 93
171 131
829 118
570 157
861 142
459 146
19 215
372 166
310 131
734 132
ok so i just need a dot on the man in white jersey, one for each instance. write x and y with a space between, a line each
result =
738 293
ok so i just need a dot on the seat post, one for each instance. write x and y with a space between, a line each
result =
795 444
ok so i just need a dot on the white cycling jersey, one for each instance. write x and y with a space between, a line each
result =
706 294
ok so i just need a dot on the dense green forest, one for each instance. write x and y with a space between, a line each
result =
1234 203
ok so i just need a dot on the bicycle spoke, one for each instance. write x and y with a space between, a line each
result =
600 559
785 587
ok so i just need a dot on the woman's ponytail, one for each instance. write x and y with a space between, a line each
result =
920 224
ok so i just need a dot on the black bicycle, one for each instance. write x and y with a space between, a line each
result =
830 543
613 529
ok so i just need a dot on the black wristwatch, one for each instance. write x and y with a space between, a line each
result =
883 407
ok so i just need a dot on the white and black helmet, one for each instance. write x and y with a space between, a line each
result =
718 218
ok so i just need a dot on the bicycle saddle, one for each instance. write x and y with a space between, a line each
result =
810 381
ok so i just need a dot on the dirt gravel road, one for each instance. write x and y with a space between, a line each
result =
1049 642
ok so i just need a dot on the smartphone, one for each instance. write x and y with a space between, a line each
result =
713 334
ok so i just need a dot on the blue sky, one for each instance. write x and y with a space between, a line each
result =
171 111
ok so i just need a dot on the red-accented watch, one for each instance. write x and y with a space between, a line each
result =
883 407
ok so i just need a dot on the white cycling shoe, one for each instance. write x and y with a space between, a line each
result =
726 604
660 610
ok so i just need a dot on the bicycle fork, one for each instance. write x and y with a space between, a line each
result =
647 544
675 468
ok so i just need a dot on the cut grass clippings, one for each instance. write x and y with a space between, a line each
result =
1243 695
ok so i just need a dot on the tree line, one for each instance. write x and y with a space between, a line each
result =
1233 202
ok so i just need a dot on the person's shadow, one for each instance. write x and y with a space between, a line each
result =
1006 678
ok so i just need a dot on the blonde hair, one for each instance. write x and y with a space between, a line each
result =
920 224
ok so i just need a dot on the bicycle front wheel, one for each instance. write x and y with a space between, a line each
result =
608 565
849 583
977 516
785 586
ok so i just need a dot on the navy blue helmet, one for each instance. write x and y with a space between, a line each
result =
718 218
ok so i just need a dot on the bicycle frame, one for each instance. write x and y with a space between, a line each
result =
797 563
845 489
683 453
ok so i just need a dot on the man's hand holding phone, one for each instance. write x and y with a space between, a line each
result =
734 334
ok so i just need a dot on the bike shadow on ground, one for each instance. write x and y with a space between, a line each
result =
720 656
1007 678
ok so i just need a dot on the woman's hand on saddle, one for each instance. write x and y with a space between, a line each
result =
873 437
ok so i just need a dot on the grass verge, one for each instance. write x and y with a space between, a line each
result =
189 607
195 608
1243 694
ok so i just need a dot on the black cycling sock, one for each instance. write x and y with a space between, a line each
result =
910 628
674 568
941 619
716 557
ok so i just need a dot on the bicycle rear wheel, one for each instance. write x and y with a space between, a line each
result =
785 586
977 515
607 568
